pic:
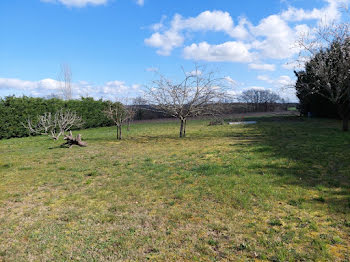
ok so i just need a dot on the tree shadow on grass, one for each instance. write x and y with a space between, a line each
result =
173 138
313 154
138 138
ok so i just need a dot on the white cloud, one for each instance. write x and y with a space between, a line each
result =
194 73
263 67
264 78
232 87
159 26
274 37
327 14
12 83
226 52
217 21
165 42
233 94
240 31
294 14
152 69
140 2
285 81
281 82
283 85
295 65
46 87
257 88
233 83
83 3
112 90
77 3
278 38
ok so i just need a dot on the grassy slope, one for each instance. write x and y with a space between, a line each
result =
276 191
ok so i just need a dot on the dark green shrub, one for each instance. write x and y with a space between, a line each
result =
16 110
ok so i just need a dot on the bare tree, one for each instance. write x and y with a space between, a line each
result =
199 93
139 101
131 109
119 114
65 82
132 112
65 120
54 125
42 125
140 106
259 99
327 52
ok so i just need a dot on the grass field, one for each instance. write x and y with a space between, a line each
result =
275 191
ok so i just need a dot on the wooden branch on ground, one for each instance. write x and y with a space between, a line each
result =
71 141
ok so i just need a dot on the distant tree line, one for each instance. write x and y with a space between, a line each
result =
16 111
260 100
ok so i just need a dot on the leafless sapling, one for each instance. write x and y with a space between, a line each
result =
119 114
65 82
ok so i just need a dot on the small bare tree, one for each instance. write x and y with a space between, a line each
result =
139 101
54 125
132 112
119 114
139 105
42 125
199 93
65 82
65 120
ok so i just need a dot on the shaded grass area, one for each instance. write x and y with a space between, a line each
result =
275 191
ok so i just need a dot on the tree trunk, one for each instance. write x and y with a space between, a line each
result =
70 141
346 123
184 135
182 128
120 133
344 113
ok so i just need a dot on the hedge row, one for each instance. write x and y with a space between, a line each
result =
15 110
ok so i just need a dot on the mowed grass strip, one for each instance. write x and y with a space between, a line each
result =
275 191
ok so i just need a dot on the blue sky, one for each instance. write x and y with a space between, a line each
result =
114 46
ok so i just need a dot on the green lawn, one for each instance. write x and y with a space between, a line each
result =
275 191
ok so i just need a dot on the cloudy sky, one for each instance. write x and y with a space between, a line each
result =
114 47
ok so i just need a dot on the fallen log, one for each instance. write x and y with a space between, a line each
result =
71 141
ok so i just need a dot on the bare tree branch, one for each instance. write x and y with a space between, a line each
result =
119 114
259 98
54 125
199 93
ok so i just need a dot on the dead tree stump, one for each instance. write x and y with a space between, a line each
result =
71 141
